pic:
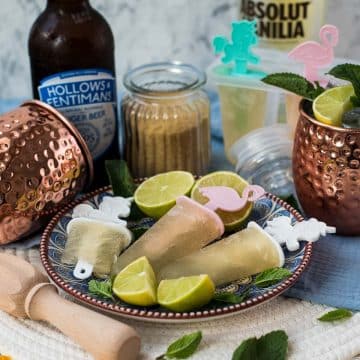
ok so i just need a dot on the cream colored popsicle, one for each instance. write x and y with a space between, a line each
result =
244 253
186 228
95 242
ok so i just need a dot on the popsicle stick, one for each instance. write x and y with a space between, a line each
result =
83 270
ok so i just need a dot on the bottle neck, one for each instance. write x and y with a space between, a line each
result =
68 5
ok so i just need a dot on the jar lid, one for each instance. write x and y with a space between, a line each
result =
266 140
164 78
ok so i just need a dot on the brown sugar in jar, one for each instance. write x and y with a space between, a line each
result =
166 119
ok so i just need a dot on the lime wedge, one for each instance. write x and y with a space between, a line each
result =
330 106
186 293
231 220
136 284
157 195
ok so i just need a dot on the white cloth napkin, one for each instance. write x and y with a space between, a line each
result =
308 338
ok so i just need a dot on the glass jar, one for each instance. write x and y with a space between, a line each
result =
166 119
264 157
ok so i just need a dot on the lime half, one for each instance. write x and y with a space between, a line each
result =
231 220
330 106
136 284
157 195
186 293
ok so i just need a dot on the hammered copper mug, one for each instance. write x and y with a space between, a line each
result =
326 170
44 163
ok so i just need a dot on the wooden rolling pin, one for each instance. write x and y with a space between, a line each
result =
26 292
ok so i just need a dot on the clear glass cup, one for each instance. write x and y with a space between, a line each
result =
166 119
264 157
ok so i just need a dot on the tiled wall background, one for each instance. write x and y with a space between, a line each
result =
149 30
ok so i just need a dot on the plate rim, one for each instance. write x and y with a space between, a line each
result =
139 314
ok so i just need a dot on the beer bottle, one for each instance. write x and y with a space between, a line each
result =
71 50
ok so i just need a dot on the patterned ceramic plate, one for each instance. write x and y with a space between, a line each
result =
54 239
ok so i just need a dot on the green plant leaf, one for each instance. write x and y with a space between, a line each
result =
291 200
271 277
183 347
246 350
295 83
120 178
338 314
231 298
349 72
101 288
272 346
355 101
135 213
139 230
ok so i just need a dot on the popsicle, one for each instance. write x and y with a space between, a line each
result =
242 254
186 228
93 245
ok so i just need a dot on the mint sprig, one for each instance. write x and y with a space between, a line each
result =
272 346
183 347
120 178
271 277
294 83
230 298
334 315
349 72
101 288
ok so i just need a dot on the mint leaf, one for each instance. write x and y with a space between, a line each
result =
349 72
291 200
139 231
231 298
120 178
272 346
135 213
271 277
246 350
355 101
183 347
337 314
101 288
294 83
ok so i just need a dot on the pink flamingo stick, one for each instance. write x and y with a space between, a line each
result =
227 199
314 55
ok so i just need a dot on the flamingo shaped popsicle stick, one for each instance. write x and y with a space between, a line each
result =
227 199
315 55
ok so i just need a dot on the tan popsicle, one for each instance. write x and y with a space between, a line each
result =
242 254
185 228
26 292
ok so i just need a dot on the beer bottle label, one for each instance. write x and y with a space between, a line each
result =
88 99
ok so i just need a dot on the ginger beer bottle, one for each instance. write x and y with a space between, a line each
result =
71 50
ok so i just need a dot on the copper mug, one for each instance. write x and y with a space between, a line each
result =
326 170
44 163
